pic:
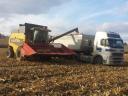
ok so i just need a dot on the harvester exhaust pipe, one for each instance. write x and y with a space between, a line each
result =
57 37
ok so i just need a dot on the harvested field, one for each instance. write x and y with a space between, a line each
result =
61 78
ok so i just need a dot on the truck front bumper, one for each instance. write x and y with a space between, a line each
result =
115 59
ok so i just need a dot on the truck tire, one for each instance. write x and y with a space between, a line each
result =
10 52
98 60
19 57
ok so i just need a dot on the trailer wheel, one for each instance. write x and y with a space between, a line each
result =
98 60
19 57
10 52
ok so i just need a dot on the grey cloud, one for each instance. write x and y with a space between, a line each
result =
27 6
119 27
116 27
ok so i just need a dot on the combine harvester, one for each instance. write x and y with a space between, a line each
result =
33 41
103 48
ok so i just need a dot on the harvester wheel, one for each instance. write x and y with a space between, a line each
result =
98 60
19 57
10 52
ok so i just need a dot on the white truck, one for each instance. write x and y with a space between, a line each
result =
103 48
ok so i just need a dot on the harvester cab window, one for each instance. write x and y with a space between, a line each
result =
36 34
40 36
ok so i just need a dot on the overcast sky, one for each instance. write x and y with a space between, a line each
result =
62 15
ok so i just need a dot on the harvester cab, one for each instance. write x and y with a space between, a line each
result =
35 34
33 40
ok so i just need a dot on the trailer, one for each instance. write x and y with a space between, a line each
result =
101 48
33 40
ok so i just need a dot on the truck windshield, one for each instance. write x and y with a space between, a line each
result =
115 43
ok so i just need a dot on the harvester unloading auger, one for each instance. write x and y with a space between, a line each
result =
59 36
33 40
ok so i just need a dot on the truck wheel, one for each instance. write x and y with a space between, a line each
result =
10 52
19 57
98 60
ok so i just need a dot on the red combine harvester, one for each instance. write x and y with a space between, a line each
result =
33 40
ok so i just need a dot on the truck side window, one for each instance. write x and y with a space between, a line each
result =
103 42
107 43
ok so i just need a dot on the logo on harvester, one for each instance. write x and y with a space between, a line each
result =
57 45
17 41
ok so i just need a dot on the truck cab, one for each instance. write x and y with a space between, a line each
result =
101 48
108 48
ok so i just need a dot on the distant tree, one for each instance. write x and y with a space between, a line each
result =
125 43
2 36
125 47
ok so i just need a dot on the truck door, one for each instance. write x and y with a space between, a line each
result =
103 46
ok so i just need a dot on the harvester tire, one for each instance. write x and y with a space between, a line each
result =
10 52
19 57
98 60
